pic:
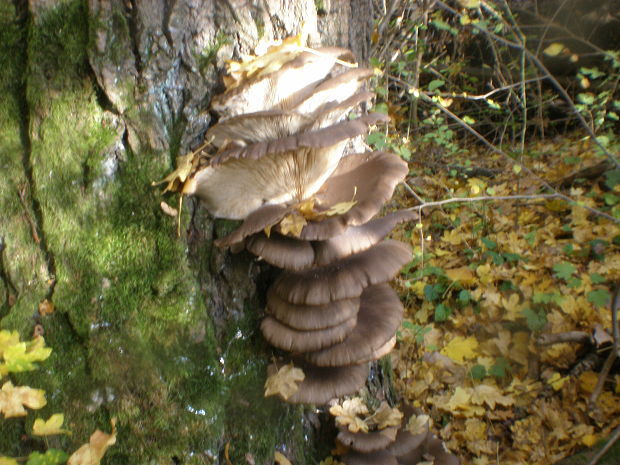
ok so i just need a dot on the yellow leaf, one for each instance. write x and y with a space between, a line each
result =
7 461
49 427
284 382
588 381
589 440
460 402
419 424
469 3
281 459
92 452
348 414
386 416
13 399
340 208
554 49
8 339
463 275
490 395
556 381
484 273
459 349
292 224
185 165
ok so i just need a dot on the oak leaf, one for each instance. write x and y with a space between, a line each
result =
13 400
285 382
386 416
93 451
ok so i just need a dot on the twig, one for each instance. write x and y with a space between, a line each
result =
612 440
483 197
570 336
548 75
611 358
412 192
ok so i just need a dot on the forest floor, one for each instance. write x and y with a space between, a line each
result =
496 287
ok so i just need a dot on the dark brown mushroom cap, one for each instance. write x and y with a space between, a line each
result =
406 442
319 138
358 238
369 179
380 457
281 251
311 317
320 385
345 278
286 338
367 442
284 88
378 319
258 220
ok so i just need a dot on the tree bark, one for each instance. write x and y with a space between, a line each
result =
160 332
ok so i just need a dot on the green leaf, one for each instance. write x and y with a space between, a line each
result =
490 244
433 292
547 298
599 297
478 372
51 457
536 320
500 368
381 108
435 84
442 312
597 278
20 357
564 270
377 140
464 297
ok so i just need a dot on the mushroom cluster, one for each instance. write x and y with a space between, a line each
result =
310 208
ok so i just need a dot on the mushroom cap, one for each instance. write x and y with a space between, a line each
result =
286 338
380 457
369 179
406 443
367 442
253 128
281 251
311 317
257 221
320 137
239 187
358 238
345 278
378 318
284 88
321 384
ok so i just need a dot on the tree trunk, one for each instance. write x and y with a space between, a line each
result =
161 332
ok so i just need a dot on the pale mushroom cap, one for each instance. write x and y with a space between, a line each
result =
345 278
378 319
311 317
320 385
283 88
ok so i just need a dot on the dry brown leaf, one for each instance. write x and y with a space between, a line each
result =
285 382
92 452
176 179
46 307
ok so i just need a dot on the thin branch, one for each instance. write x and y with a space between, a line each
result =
612 440
548 75
481 198
580 337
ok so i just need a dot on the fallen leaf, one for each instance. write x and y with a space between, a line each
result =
49 427
50 457
459 349
281 459
285 382
340 208
554 49
7 339
292 224
92 452
386 416
185 166
463 275
46 307
14 399
7 461
419 424
20 357
348 414
490 395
